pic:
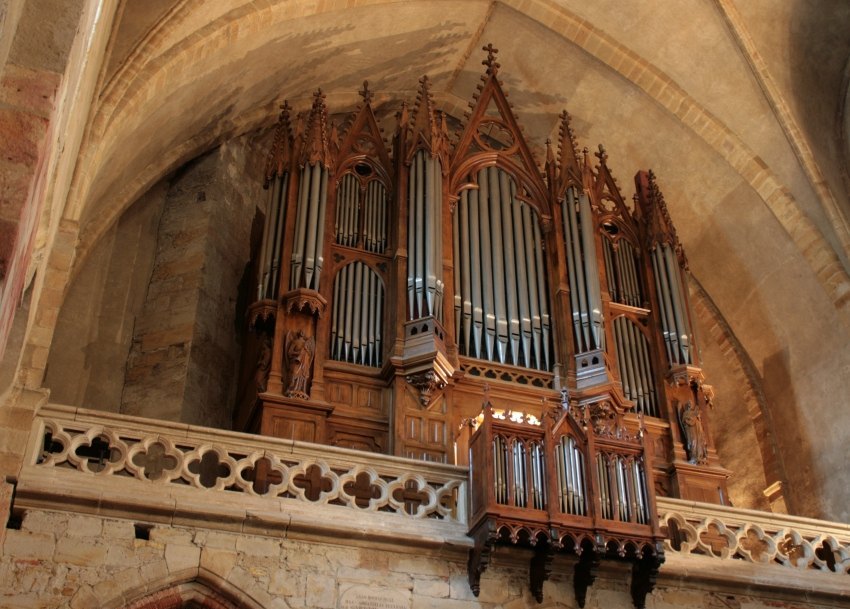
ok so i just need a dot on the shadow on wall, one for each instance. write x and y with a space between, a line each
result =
795 450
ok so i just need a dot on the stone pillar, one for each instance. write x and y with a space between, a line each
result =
185 351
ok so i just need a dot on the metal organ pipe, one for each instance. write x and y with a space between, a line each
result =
307 258
424 234
594 295
575 271
356 319
272 239
502 309
679 303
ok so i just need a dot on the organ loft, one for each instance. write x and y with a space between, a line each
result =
446 298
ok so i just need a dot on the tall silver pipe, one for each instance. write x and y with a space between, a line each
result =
639 372
524 304
277 240
475 276
591 273
498 263
436 201
671 274
625 376
486 264
542 296
412 184
297 260
429 261
531 273
664 296
664 313
581 317
681 298
312 225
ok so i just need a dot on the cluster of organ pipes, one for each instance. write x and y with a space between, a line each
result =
501 291
572 486
354 229
357 315
622 488
622 269
583 272
635 365
672 301
424 233
270 250
307 251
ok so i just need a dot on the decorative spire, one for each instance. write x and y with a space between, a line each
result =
281 150
491 63
425 124
316 147
365 93
602 155
660 227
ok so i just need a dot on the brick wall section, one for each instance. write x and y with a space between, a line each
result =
183 359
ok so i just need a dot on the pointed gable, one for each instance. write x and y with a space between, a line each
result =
656 218
315 143
493 135
280 154
363 137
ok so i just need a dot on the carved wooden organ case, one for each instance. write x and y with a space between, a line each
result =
444 299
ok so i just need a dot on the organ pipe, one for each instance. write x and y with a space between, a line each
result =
356 316
272 239
585 292
307 258
424 270
503 308
671 296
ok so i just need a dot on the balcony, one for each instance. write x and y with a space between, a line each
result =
161 473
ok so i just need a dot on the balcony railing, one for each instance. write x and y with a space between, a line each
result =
154 471
169 472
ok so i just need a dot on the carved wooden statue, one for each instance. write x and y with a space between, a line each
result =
691 423
299 356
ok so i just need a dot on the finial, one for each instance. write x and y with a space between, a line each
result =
365 93
285 109
490 62
601 155
550 157
319 97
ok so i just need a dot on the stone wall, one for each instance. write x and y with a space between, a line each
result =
185 350
60 560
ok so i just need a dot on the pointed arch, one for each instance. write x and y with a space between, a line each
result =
205 590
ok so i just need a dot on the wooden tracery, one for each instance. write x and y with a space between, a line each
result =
400 287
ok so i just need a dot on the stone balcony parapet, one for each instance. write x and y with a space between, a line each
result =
159 472
171 473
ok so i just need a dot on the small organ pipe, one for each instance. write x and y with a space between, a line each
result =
640 380
646 364
613 279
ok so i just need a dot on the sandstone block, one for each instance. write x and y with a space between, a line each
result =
431 586
320 592
219 562
84 526
258 546
418 565
80 552
29 545
181 557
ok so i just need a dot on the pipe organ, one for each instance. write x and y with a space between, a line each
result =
566 372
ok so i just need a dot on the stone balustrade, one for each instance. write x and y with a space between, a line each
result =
160 471
153 471
732 534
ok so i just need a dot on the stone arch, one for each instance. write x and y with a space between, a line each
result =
204 591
